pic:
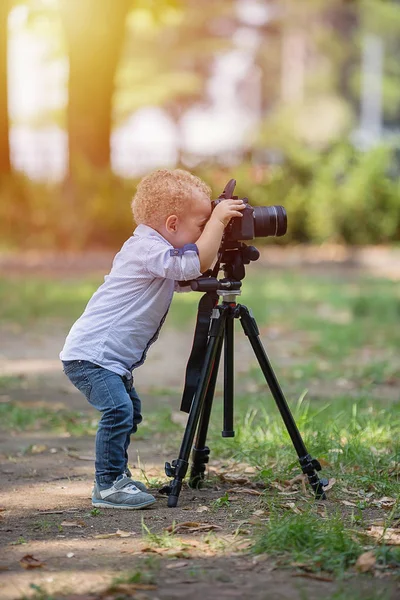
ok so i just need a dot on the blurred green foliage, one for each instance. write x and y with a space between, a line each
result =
340 195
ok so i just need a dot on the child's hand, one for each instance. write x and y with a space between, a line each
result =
210 240
226 209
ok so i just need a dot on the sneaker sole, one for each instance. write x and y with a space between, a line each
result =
103 504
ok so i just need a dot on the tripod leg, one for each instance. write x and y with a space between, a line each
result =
228 380
308 465
179 467
200 451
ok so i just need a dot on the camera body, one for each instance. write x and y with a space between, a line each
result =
259 221
240 228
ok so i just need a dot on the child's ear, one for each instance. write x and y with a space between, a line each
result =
171 224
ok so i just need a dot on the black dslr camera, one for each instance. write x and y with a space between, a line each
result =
258 221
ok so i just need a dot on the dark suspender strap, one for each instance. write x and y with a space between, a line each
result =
196 358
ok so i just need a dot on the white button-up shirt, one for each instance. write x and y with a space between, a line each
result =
124 316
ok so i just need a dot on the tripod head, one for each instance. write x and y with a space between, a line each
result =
232 256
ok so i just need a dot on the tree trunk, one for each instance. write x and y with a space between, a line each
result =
5 166
95 33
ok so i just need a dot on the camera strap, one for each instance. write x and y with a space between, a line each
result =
195 363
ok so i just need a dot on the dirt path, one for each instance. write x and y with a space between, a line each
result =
45 491
46 485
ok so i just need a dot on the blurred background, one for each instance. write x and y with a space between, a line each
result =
299 101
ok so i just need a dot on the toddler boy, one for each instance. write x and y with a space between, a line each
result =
176 239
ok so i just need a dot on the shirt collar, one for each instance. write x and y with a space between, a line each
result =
145 231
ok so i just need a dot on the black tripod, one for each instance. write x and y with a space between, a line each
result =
214 329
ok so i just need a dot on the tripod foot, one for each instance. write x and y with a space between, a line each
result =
200 458
310 466
174 491
196 480
172 501
177 469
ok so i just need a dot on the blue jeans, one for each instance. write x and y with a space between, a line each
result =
116 398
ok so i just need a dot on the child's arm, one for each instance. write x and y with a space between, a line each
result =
180 264
210 240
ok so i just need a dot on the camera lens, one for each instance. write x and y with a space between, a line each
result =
269 220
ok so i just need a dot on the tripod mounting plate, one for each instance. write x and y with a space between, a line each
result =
229 295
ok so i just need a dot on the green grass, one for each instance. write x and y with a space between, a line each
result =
9 381
18 418
351 594
28 300
306 539
359 441
276 297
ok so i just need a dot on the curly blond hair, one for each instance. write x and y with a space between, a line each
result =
163 193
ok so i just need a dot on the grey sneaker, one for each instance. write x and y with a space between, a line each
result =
122 494
141 486
138 484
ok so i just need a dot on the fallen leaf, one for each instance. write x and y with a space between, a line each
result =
191 527
242 490
81 456
201 509
298 479
388 536
347 503
293 507
250 470
330 485
260 558
177 565
243 545
30 562
169 552
366 562
324 463
386 503
73 524
278 486
321 511
2 508
174 552
312 576
235 479
38 448
128 588
119 533
146 549
351 492
259 512
51 512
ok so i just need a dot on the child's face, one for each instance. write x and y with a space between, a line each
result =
188 228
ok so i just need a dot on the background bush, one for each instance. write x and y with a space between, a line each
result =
341 195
